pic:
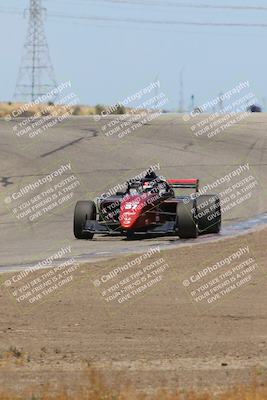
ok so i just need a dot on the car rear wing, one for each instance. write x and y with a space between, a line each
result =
184 183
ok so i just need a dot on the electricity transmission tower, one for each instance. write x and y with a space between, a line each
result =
36 74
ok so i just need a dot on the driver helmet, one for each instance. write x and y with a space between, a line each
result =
147 185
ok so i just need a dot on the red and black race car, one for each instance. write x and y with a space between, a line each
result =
150 205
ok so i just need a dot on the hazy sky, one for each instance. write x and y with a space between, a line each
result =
107 61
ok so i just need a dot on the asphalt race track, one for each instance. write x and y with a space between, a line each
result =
100 162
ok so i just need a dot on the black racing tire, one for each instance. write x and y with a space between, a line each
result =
186 224
130 235
209 214
84 210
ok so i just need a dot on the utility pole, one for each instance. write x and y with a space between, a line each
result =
156 93
220 102
181 103
192 102
36 74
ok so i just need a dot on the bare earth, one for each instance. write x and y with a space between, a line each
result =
160 337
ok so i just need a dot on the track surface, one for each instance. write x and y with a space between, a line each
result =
102 162
161 337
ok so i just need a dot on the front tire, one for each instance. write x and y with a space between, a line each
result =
84 210
185 219
130 235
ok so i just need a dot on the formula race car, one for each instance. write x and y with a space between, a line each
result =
150 205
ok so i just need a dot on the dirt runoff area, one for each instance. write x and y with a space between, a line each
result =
194 317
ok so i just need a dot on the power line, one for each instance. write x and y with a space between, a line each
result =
11 11
147 21
174 4
163 4
159 22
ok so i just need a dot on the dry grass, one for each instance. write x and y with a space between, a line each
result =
44 110
13 356
98 389
7 109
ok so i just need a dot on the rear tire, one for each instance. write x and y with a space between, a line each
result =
185 220
209 214
84 210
